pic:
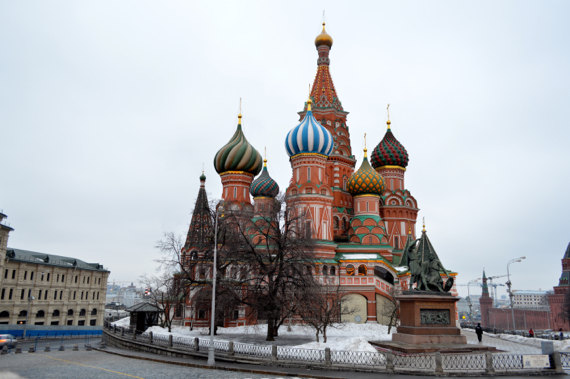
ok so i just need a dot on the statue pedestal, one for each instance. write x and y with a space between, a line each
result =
428 318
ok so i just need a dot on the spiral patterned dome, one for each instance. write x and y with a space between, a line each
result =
238 155
365 181
309 137
264 185
389 152
324 38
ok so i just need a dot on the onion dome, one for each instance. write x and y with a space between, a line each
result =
238 155
324 38
365 181
264 185
389 152
203 177
309 137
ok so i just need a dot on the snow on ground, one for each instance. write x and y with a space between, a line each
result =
123 323
353 337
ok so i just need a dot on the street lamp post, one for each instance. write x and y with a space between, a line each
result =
30 299
211 351
509 289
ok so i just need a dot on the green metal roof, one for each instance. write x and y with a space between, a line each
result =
19 255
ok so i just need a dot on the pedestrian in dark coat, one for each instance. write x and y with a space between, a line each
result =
479 332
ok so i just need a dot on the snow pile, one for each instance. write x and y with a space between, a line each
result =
124 322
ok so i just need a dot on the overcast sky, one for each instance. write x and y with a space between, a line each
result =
110 109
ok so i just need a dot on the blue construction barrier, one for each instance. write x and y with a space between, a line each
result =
50 333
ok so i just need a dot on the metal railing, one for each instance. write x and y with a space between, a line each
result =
471 363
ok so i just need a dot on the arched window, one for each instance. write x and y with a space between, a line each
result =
40 314
55 313
346 225
362 270
336 226
4 314
94 312
325 270
82 312
70 312
396 243
23 313
333 270
350 270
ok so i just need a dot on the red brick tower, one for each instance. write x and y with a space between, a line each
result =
328 110
558 298
485 302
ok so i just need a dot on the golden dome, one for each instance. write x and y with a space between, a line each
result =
324 38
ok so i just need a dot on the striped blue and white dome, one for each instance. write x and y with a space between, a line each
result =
309 137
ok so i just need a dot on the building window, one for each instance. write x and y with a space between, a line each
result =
70 312
236 314
45 294
82 312
25 275
40 314
201 314
75 278
10 294
4 314
350 270
325 270
55 313
81 322
23 313
93 322
74 293
94 312
333 270
6 274
60 293
32 275
62 278
57 278
3 293
48 276
39 294
362 270
69 322
396 243
13 274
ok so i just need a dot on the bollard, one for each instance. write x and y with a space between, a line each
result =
489 369
328 356
438 363
88 347
31 349
75 347
150 337
196 344
274 352
47 348
390 362
170 340
62 348
18 350
231 348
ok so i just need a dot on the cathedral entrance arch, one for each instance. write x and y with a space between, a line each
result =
355 307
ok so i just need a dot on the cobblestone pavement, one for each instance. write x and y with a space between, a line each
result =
491 340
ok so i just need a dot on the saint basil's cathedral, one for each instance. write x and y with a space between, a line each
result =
361 221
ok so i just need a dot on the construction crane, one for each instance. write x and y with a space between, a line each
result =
468 299
495 285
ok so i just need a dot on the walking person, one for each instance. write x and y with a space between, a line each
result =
479 332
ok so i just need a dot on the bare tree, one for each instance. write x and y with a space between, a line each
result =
165 293
391 309
321 306
277 260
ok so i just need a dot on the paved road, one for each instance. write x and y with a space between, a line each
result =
504 345
98 365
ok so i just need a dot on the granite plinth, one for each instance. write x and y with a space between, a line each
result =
428 318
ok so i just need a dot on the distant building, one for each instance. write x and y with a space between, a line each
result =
558 300
530 299
45 289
